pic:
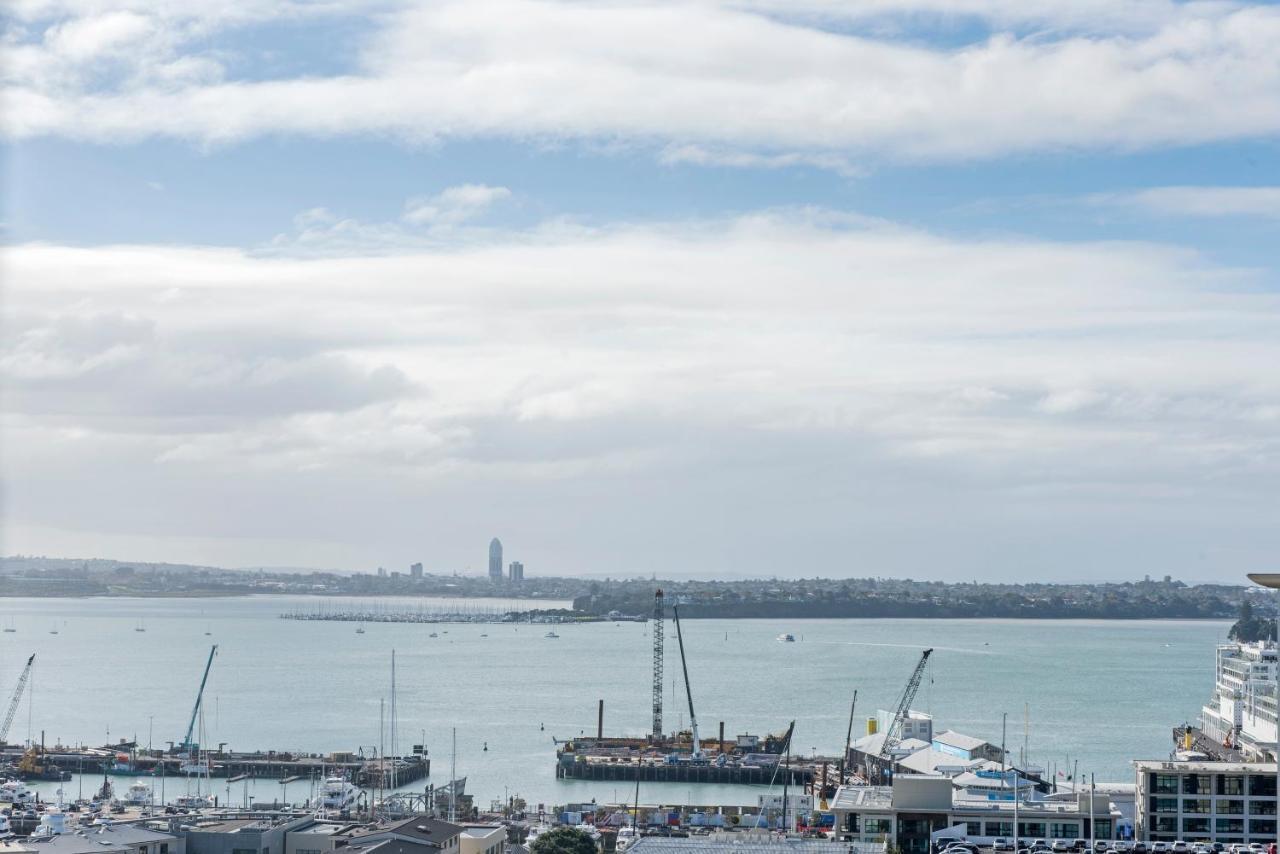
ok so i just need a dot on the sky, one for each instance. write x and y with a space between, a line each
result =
947 289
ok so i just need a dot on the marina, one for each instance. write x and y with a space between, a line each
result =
307 689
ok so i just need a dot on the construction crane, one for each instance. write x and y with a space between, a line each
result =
693 719
893 735
657 666
187 746
17 699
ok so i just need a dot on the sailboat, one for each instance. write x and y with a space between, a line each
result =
10 628
140 627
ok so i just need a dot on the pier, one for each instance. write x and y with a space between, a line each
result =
368 772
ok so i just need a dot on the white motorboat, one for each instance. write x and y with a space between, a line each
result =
534 832
551 634
193 802
16 792
627 836
787 637
338 793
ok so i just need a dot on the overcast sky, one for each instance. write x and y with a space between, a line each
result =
937 288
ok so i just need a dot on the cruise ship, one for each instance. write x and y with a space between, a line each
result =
1242 712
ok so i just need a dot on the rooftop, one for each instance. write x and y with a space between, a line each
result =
960 740
735 843
96 840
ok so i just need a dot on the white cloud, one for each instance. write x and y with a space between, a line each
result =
704 80
453 206
1199 201
719 380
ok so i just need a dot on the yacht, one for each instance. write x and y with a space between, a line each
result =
140 627
16 792
433 635
627 836
534 832
787 637
360 630
338 793
193 802
138 793
551 634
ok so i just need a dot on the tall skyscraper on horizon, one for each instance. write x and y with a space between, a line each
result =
515 572
495 559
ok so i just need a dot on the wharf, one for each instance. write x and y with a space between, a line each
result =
577 766
272 764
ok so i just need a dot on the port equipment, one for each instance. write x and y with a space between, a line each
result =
893 735
186 745
693 719
17 698
657 666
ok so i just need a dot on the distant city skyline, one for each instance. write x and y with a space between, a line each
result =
906 288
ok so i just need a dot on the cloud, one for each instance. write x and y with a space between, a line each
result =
450 215
1198 201
454 206
846 380
746 84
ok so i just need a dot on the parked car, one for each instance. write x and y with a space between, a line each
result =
1159 848
1060 846
1139 847
1001 844
1180 847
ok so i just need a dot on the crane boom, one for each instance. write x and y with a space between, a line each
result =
693 720
657 666
17 698
195 710
893 735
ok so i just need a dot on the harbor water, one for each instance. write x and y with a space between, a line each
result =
1099 693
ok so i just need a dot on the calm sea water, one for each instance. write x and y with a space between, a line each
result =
1097 692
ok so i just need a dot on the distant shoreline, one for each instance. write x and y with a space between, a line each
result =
693 613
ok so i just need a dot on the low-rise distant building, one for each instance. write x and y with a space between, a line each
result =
515 572
261 834
117 838
482 839
918 809
428 833
1227 802
415 570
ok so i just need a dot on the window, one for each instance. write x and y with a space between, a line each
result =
1164 784
1262 785
1164 804
1229 825
1103 830
1000 828
1033 829
1263 826
973 828
1229 785
1197 826
1197 784
164 848
877 826
1064 830
1262 807
1195 805
1230 807
1166 824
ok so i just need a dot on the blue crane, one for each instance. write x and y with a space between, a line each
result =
186 745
